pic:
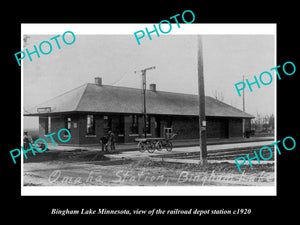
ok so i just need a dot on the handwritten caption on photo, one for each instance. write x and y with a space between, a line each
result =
124 177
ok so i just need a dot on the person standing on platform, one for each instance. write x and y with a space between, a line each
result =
112 140
104 142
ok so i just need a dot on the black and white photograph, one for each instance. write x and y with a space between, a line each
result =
106 113
149 112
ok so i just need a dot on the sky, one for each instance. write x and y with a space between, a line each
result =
226 58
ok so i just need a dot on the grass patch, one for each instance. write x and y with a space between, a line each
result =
217 167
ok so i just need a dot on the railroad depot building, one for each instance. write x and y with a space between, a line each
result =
90 110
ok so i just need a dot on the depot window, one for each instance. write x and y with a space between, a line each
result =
134 126
68 124
48 125
90 125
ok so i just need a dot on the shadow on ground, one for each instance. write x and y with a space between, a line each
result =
78 155
209 167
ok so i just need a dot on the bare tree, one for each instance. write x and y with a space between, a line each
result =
219 95
264 123
25 40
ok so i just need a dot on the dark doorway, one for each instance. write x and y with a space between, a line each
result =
120 129
157 127
115 123
107 123
224 129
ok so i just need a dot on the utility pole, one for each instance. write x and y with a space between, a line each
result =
243 96
243 107
202 121
144 96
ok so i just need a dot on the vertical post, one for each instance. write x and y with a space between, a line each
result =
243 120
202 122
144 96
144 104
243 95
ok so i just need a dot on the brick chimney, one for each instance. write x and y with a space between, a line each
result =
98 81
153 87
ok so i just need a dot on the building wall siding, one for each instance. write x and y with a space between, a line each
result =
141 126
248 124
163 124
127 124
236 127
213 128
118 127
42 128
74 130
82 125
186 127
57 123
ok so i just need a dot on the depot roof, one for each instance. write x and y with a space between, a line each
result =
113 99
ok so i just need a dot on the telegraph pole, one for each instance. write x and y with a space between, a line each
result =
243 95
243 107
202 121
144 96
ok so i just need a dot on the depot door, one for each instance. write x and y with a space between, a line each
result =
157 127
224 128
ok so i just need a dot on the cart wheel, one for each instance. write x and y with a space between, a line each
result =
150 147
158 145
141 146
169 146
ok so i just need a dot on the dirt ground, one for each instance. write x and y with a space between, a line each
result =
84 168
